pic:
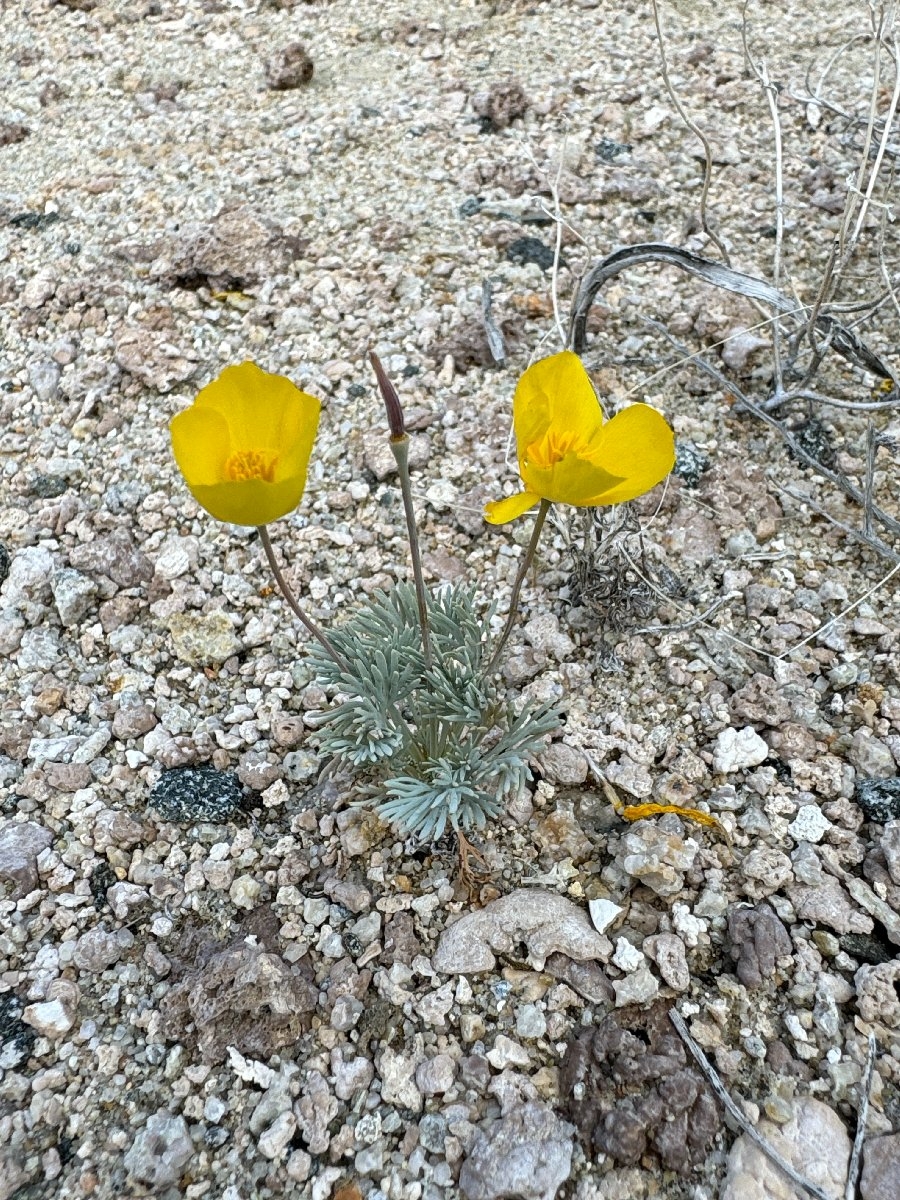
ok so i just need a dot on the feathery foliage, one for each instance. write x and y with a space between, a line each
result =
434 745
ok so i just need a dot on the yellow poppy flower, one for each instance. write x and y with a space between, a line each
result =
243 446
567 453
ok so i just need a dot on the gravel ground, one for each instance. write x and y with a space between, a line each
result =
216 977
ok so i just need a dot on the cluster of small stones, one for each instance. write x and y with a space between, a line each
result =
215 978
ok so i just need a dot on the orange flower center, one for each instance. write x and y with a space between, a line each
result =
251 464
553 448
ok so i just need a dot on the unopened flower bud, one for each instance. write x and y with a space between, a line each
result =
391 400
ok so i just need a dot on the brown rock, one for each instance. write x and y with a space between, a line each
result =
133 722
115 557
400 942
563 764
501 105
828 904
694 536
113 827
759 702
67 777
288 731
792 742
12 132
237 249
289 68
20 844
758 940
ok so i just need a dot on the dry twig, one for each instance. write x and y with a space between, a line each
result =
844 341
885 519
865 1089
735 1113
697 132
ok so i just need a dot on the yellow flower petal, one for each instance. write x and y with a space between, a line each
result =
201 443
571 480
568 455
244 445
638 445
260 408
498 512
250 501
555 392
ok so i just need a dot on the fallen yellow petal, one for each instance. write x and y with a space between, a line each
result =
637 812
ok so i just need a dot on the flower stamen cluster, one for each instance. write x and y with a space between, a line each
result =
251 464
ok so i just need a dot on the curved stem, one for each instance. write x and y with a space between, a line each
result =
309 625
517 586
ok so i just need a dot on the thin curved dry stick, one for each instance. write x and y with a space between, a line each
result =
517 587
792 394
557 246
879 157
696 131
868 539
308 623
826 70
865 1087
735 1113
770 91
845 243
890 148
778 263
844 340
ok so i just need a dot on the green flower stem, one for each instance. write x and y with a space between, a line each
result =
400 447
517 586
307 622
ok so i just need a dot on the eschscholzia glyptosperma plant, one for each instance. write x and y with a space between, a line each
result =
419 715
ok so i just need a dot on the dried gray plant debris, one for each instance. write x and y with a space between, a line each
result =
241 995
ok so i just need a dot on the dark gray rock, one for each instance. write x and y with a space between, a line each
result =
189 794
879 798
